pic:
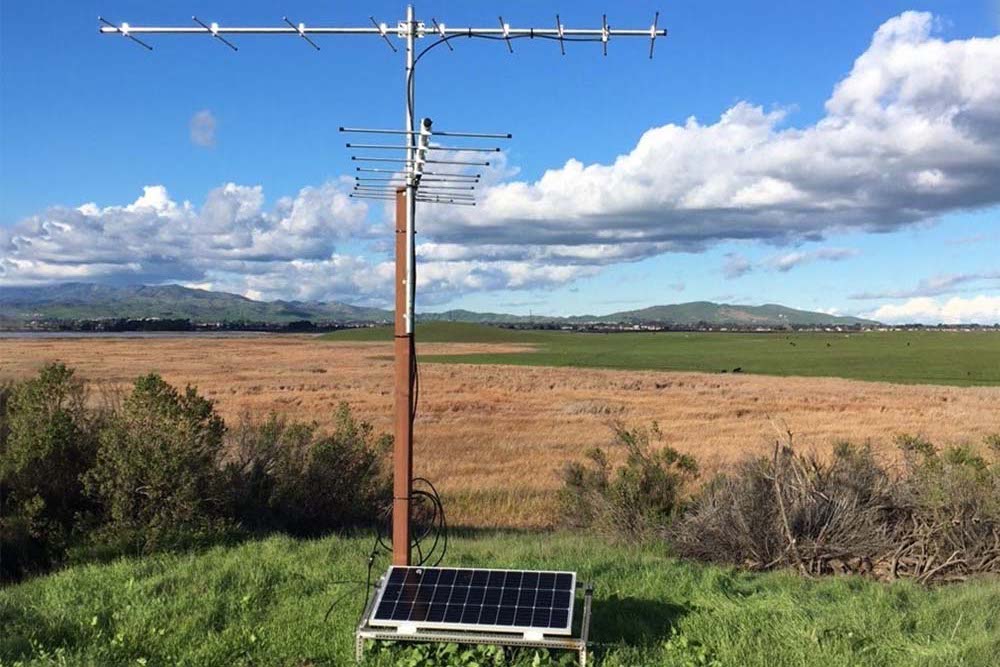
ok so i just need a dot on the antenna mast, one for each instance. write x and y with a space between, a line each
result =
412 183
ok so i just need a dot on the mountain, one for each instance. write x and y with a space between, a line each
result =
485 318
86 301
695 312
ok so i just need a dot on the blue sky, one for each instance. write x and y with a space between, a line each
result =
90 118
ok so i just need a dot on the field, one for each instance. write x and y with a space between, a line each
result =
953 358
493 437
263 603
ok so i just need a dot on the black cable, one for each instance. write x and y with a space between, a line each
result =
439 523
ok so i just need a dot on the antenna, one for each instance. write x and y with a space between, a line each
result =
214 31
408 184
301 28
123 30
383 30
440 30
456 188
652 34
505 27
605 33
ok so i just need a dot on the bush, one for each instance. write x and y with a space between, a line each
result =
157 474
47 440
938 519
291 477
158 470
949 507
791 510
634 501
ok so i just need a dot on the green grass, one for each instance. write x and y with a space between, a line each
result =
263 602
929 357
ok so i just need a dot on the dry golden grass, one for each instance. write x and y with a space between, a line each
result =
494 437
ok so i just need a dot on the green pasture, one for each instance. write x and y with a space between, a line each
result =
263 603
929 357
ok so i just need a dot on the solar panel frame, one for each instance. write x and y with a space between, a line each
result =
511 617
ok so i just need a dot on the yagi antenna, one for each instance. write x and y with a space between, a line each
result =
213 30
410 174
123 30
301 29
421 185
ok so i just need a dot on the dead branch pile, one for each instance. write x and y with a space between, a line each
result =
938 519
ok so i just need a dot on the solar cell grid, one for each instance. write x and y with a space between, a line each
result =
497 600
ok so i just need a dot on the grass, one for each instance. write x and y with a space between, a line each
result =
263 603
928 357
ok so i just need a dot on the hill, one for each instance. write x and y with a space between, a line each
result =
88 301
695 312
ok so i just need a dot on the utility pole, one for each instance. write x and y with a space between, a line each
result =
415 184
403 358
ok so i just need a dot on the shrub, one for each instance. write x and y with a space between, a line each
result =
637 499
259 455
791 510
949 503
291 477
938 519
47 440
157 470
157 475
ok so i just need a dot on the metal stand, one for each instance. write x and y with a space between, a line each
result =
365 631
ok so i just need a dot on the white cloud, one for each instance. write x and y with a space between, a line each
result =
156 238
935 286
202 129
788 261
233 243
912 132
736 265
981 309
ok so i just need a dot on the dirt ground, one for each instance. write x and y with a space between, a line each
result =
494 437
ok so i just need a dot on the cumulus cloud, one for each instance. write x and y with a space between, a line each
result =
156 238
981 309
202 129
233 243
912 132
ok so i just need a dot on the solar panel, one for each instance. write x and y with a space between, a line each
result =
527 601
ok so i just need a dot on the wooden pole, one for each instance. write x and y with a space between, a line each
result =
402 469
